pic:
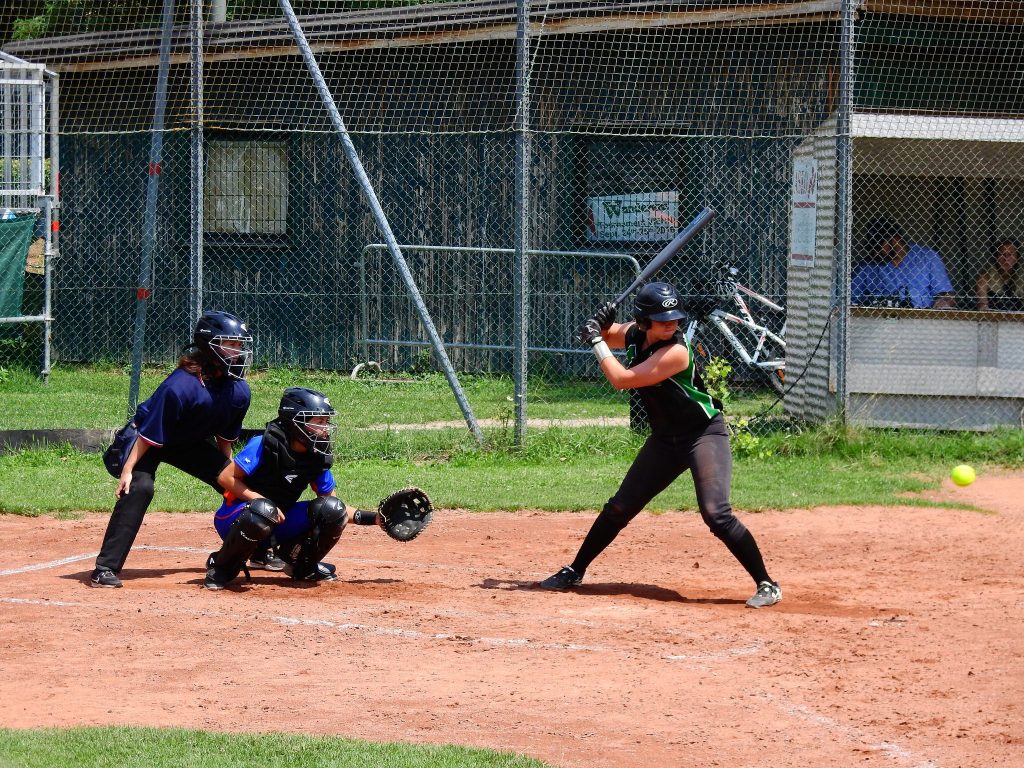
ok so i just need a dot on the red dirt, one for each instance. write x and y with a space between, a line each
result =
900 641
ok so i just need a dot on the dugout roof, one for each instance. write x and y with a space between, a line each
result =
436 23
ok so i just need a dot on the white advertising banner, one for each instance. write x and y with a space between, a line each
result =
803 223
639 216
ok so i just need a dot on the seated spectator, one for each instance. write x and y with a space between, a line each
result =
1001 286
901 273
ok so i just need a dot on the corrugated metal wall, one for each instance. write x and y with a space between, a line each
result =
812 396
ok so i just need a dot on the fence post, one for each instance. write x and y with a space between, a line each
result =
521 225
379 216
844 210
156 149
195 264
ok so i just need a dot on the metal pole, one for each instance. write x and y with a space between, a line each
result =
195 271
52 236
156 148
844 208
521 227
380 217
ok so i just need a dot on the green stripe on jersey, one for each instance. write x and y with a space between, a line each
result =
684 380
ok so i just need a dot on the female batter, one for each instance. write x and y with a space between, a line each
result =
687 432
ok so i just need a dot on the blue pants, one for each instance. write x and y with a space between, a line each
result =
295 526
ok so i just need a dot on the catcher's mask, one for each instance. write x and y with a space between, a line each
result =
306 416
656 301
226 342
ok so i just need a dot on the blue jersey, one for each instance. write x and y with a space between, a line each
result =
294 475
918 279
184 409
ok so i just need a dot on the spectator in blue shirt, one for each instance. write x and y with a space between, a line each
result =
902 273
189 422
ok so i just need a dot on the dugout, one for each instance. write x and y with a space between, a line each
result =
955 184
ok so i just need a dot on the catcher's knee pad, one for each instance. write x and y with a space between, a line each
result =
263 508
327 513
240 542
327 518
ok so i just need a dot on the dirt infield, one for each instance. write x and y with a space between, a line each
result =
900 640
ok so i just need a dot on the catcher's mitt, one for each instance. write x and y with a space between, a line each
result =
404 514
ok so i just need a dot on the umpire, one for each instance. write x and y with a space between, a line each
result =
688 432
189 422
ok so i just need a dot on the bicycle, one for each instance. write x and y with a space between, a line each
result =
758 346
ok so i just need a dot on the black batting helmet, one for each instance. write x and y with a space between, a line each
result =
657 301
299 406
226 341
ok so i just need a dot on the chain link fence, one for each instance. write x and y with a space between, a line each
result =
809 127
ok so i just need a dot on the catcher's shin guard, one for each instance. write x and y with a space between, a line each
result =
255 522
328 517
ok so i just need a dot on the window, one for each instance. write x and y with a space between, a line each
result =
246 188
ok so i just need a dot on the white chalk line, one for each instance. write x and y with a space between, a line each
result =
728 653
414 634
50 564
604 622
206 551
850 733
409 634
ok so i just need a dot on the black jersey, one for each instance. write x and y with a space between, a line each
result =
276 471
680 404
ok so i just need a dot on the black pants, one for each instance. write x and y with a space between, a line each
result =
661 460
203 461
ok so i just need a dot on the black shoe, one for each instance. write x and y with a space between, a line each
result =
266 561
564 579
322 572
104 577
211 581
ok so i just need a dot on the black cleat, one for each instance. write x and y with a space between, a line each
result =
322 572
211 581
104 577
266 561
564 579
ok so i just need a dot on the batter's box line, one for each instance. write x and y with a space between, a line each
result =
415 634
408 634
206 550
49 564
850 733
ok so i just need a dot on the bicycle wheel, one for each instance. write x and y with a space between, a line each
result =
772 365
776 377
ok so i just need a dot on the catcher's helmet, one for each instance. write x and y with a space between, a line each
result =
226 341
299 407
657 301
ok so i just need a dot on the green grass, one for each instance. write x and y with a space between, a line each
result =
778 465
122 747
96 397
561 469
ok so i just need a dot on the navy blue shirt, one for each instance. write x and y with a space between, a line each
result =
185 409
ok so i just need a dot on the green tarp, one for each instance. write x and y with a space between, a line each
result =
15 237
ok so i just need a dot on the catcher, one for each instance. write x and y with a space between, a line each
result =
262 520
